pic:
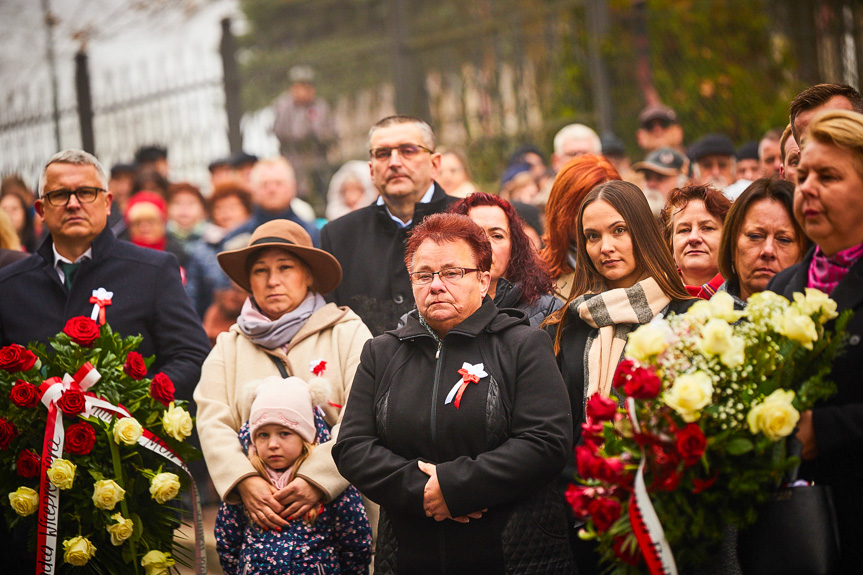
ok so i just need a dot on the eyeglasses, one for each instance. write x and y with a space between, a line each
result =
85 195
449 275
406 151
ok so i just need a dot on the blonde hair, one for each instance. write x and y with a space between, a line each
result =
8 237
840 128
261 468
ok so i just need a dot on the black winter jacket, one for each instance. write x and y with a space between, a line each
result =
371 249
501 450
838 422
508 294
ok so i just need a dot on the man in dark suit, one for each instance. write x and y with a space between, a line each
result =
370 242
81 255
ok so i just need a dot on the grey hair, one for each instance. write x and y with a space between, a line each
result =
577 132
78 158
427 134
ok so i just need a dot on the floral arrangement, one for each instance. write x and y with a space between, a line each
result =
709 397
92 452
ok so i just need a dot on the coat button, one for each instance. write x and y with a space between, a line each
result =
854 340
399 299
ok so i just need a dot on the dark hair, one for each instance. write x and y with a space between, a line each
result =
577 177
520 153
648 249
818 95
185 188
228 190
443 228
148 154
781 191
150 181
524 267
714 200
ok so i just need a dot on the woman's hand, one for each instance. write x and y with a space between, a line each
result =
806 436
298 498
257 496
433 501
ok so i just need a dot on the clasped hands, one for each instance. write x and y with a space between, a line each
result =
433 501
272 508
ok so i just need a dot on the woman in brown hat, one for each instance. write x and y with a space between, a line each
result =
286 329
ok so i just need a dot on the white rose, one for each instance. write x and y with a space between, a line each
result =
121 530
24 501
775 417
816 301
164 486
648 340
717 338
78 550
177 422
107 493
62 473
157 563
127 430
690 393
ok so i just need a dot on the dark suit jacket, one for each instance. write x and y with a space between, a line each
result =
10 256
148 299
838 422
370 246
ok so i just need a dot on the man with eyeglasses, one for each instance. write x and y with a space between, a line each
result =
81 255
369 243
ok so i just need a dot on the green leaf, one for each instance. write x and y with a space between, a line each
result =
739 446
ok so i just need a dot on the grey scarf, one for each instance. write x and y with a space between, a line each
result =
271 334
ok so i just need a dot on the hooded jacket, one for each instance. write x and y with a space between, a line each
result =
500 450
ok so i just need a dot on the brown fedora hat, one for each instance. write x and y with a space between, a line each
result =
291 237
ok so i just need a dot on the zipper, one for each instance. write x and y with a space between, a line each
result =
437 367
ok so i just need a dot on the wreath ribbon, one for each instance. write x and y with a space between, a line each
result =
102 299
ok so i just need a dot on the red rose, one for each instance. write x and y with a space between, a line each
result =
72 402
592 432
579 497
28 464
664 464
134 366
612 471
623 371
16 358
587 461
162 389
691 443
604 512
642 384
628 553
600 408
7 432
80 438
83 330
699 485
24 394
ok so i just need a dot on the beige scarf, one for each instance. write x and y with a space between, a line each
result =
614 313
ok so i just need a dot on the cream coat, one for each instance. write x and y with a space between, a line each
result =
226 390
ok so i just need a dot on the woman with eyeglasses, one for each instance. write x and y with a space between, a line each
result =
624 277
457 423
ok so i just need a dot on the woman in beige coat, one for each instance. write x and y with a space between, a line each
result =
285 329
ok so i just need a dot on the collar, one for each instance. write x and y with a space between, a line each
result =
58 258
427 197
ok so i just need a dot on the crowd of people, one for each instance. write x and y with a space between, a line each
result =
399 385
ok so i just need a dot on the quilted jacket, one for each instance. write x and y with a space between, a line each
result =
500 450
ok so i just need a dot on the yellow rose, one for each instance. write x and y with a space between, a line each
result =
78 550
121 530
689 394
722 307
717 338
164 486
24 501
798 327
775 417
177 422
816 301
157 563
648 340
62 473
127 430
107 493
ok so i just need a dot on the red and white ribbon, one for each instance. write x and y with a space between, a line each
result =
469 374
645 523
52 448
102 299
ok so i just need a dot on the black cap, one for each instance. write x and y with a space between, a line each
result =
748 151
612 147
657 112
665 161
242 159
712 145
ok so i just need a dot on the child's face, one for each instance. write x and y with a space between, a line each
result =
277 446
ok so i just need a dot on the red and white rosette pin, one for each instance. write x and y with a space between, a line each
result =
101 299
645 523
317 367
469 374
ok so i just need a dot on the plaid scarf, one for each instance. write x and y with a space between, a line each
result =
614 313
825 273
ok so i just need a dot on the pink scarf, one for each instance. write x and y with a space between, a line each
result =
825 273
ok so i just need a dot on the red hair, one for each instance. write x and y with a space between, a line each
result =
524 268
443 228
574 181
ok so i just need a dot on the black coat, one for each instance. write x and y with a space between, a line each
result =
371 249
508 294
838 422
148 299
500 450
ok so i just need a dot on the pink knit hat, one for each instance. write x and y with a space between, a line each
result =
286 402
